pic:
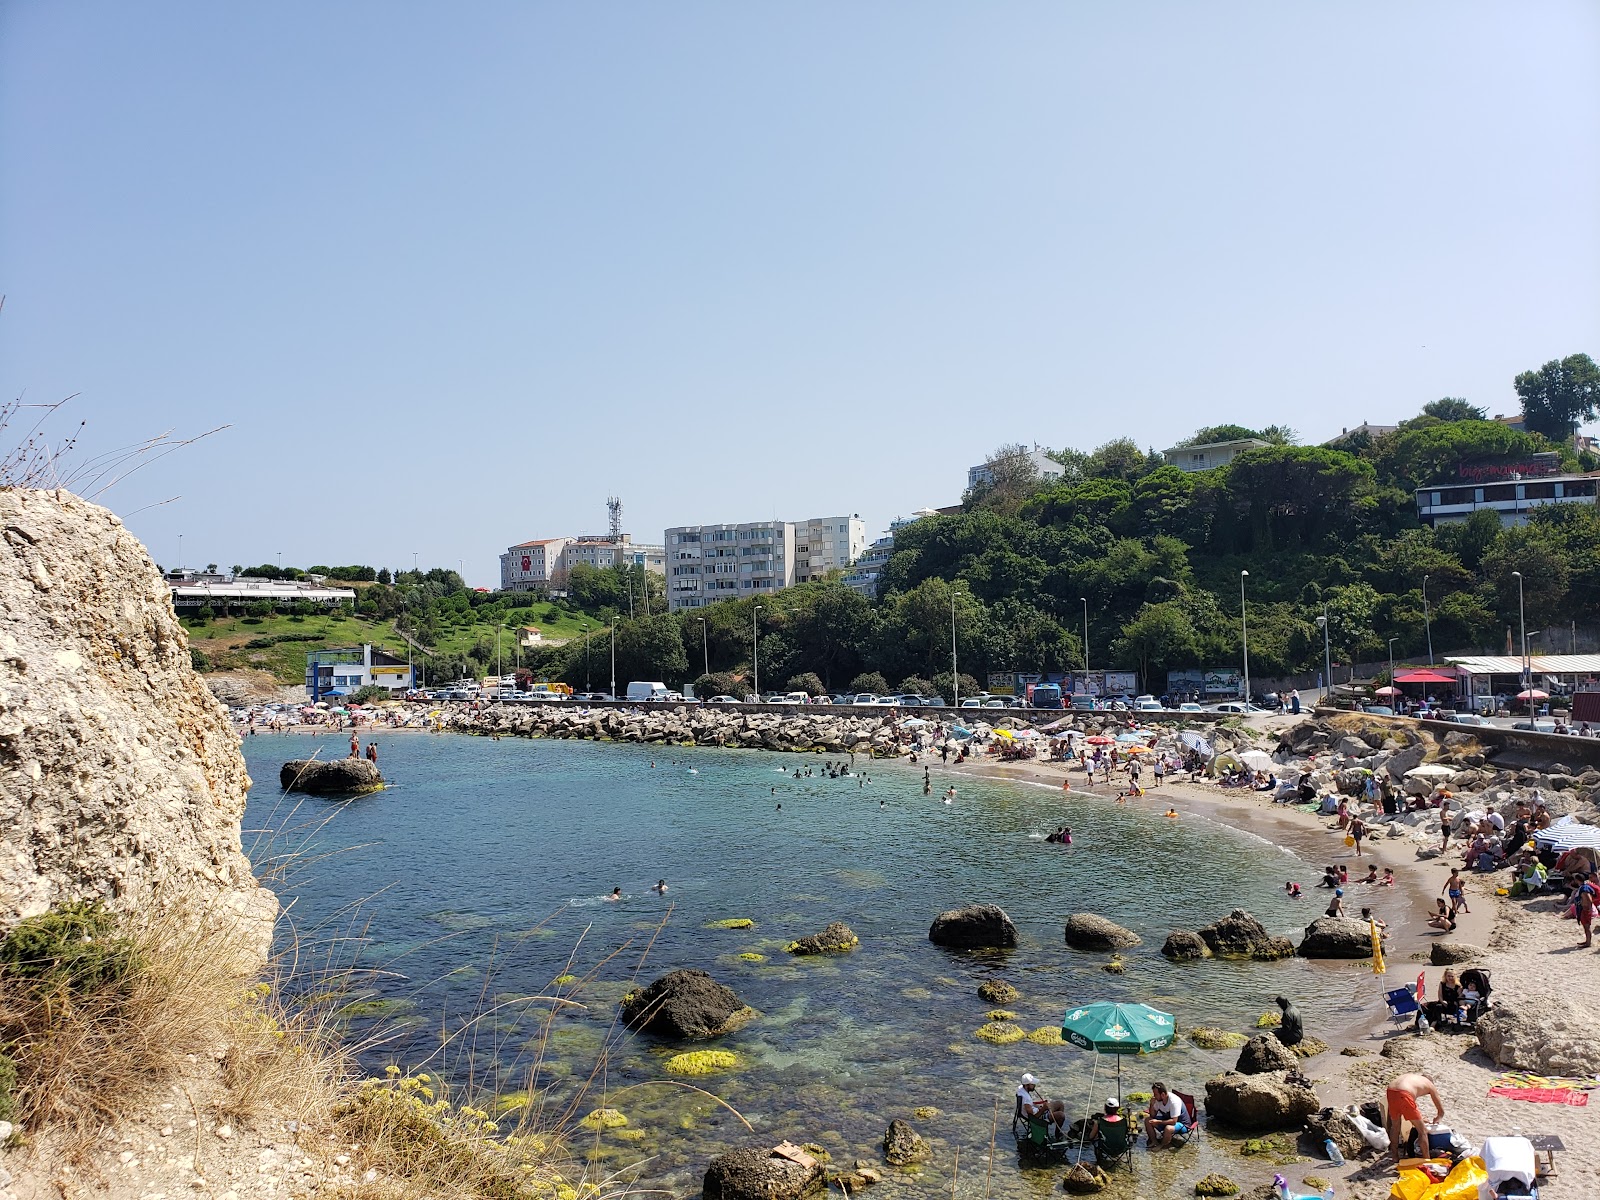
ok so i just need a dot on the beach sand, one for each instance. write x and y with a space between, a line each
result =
1528 951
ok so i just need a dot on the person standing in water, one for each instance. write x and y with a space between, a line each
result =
660 887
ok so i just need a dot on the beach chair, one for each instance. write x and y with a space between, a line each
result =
1114 1143
1033 1132
1402 1002
1194 1117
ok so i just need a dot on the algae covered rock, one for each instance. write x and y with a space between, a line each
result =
1000 1033
1047 1035
686 1004
755 1173
1000 1014
604 1118
926 1113
998 991
1117 966
1085 1179
1259 1103
976 927
333 777
1208 1038
701 1062
731 923
1216 1185
837 938
1240 935
903 1145
1184 945
1309 1047
1091 931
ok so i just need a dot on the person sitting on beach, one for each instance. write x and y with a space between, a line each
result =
1442 917
1031 1102
1371 875
1388 877
1448 1002
1167 1116
1336 905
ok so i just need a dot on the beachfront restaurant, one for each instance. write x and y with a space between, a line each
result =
1485 677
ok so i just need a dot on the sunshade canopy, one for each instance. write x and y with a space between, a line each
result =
1111 1028
1424 676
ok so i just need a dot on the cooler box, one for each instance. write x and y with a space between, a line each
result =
1439 1140
1508 1158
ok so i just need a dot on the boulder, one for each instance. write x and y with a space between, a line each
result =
837 938
1336 937
686 1004
1445 954
1090 931
1401 761
1208 1038
1259 1103
756 1173
997 991
903 1145
1352 747
1240 935
1332 1125
1546 1032
1183 945
335 777
976 927
1215 1184
1264 1054
1085 1179
120 774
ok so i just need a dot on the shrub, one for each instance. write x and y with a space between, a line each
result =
74 948
8 1087
869 681
205 612
809 683
369 694
916 685
199 659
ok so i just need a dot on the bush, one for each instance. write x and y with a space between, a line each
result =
869 681
74 948
720 683
205 613
916 685
260 643
8 1087
369 694
808 683
199 660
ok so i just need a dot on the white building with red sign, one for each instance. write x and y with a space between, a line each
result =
532 566
543 564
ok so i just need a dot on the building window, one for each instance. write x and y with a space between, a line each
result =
1539 491
1502 491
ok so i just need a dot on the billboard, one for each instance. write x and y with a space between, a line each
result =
1216 681
1002 684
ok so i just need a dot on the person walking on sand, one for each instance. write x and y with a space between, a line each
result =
1583 906
1455 887
1401 1098
1357 831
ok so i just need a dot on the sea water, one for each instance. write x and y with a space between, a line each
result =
479 878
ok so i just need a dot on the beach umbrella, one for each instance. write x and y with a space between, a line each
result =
1430 771
1098 740
1533 694
1119 1029
1195 742
1257 760
1387 691
1140 750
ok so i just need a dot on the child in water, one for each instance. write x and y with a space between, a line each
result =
1292 890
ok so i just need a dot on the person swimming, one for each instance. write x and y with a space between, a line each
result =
660 887
1171 812
616 894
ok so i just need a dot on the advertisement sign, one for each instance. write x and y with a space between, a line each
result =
1002 684
1119 683
1217 681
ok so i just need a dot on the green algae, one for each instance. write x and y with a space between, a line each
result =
1047 1035
731 923
752 956
701 1062
999 1033
1000 1014
604 1118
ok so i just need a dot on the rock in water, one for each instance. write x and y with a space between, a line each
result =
1259 1103
336 777
756 1173
1332 1125
837 938
1265 1053
1216 1185
687 1004
1090 931
1182 945
976 927
997 991
1336 937
903 1145
1085 1179
1547 1033
1240 935
122 778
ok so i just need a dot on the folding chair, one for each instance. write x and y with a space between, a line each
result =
1402 1002
1194 1117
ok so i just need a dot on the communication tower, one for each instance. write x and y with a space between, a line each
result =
614 507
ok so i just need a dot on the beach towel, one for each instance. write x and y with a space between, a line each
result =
1567 1096
1544 1089
1526 1079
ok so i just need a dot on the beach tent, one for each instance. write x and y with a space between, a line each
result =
1258 760
1118 1029
1225 762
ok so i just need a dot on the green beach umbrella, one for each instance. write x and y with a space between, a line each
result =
1119 1029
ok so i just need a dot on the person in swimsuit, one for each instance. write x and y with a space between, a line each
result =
1455 888
1401 1098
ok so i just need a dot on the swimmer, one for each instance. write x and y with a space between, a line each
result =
616 894
950 795
1066 835
661 887
1171 812
780 805
880 805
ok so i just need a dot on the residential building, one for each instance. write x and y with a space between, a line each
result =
707 563
193 590
1045 468
863 575
1361 435
544 564
343 671
1210 455
1514 500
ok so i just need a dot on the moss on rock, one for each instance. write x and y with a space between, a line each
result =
752 956
1269 1020
1047 1035
1000 1014
1310 1047
1216 1039
926 1113
604 1118
998 991
701 1062
1215 1184
731 923
1000 1033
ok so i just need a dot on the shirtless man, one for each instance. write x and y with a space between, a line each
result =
1401 1097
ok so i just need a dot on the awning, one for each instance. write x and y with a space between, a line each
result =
1425 676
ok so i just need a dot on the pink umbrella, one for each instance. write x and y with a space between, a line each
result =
1387 691
1535 694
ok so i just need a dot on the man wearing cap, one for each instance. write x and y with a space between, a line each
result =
1108 1132
1032 1103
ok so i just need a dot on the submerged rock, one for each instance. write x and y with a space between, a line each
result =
1085 1179
976 927
1216 1039
1091 931
1216 1185
756 1173
1240 935
336 777
903 1145
835 939
686 1004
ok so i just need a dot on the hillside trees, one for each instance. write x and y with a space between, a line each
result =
1559 395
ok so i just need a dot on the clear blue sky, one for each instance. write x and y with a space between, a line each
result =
455 273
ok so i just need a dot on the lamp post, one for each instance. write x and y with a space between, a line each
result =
705 643
1244 637
613 661
1085 601
180 551
955 675
1392 688
1427 621
499 670
755 650
1327 657
1522 621
586 656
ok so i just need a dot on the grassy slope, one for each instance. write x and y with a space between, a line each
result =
223 640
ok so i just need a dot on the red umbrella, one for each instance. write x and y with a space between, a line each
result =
1535 694
1097 740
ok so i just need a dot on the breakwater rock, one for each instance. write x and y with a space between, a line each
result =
690 725
335 777
121 779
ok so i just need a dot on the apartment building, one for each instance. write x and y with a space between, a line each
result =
532 566
707 563
863 574
1210 455
544 564
1045 468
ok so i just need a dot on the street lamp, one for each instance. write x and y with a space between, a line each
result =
1392 688
705 643
1522 620
1327 656
1244 637
1427 621
755 650
955 675
586 656
1085 600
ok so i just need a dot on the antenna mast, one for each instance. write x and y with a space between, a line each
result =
614 507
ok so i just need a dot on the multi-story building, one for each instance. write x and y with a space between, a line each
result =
707 563
341 672
863 575
1514 499
544 564
1045 468
1210 455
193 590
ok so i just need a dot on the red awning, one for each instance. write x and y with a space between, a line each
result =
1424 677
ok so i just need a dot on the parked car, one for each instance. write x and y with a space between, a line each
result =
1467 719
1538 725
1239 706
1378 710
911 700
1190 706
972 702
593 696
1148 704
861 698
722 700
933 702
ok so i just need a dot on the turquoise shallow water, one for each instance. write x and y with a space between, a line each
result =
479 877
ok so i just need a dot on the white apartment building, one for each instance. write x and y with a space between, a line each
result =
544 564
863 575
1044 467
1513 500
707 563
1211 454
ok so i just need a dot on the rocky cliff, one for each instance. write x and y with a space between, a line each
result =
120 778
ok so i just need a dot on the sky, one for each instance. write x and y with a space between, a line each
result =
453 274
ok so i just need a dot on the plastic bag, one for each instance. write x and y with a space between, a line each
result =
1462 1183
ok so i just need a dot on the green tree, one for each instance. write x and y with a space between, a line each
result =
1559 396
1121 459
1452 408
806 682
916 685
870 681
1531 550
650 648
1159 639
1012 478
944 685
1301 495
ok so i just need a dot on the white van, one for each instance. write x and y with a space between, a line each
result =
638 692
